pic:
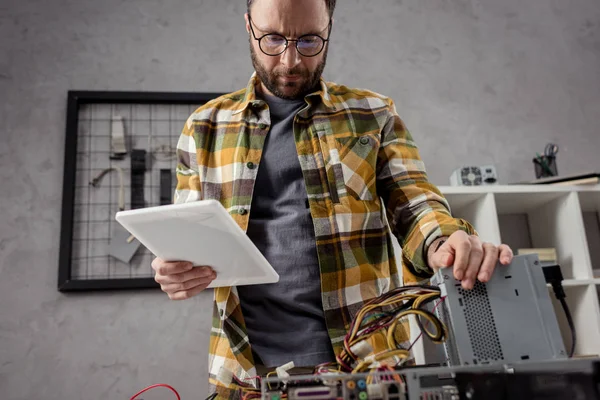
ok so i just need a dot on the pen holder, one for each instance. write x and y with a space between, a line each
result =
545 167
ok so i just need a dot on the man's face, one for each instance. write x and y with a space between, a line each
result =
288 75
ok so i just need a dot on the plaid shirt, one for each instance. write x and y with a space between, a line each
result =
355 152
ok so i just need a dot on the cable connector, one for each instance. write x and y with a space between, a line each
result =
443 290
282 371
361 349
554 277
94 182
371 361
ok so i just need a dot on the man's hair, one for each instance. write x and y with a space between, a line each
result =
329 3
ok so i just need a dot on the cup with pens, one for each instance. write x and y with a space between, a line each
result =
545 165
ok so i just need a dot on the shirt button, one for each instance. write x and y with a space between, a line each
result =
364 140
262 126
250 165
242 211
221 312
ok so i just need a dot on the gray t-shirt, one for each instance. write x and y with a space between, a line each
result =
285 320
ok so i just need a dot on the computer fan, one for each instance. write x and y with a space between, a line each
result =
474 176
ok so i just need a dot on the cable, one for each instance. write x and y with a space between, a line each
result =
96 182
553 276
155 386
422 328
380 357
384 314
565 307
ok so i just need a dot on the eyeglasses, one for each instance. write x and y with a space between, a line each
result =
274 44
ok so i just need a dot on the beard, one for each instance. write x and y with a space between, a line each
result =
307 83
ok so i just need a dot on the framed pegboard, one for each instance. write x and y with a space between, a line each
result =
116 141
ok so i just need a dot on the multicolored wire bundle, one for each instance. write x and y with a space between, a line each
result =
382 314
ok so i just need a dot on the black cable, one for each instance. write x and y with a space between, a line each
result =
553 276
440 332
565 307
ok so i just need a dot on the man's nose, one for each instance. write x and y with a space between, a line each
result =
290 57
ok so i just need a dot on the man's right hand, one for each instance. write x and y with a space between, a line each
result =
180 279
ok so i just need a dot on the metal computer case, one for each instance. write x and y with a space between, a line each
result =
508 319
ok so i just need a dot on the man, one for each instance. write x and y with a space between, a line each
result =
310 170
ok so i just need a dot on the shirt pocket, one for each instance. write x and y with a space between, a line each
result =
358 165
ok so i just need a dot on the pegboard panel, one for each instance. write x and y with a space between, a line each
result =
98 180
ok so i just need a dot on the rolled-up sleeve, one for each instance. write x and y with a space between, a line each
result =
418 213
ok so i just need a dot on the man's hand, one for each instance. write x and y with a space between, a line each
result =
470 257
180 279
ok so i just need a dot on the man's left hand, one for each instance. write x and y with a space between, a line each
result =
472 259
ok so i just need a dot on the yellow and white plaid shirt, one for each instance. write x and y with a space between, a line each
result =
360 165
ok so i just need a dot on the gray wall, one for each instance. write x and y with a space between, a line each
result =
477 81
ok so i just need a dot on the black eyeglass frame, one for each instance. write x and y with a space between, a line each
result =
287 41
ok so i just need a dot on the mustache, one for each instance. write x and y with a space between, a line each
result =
293 71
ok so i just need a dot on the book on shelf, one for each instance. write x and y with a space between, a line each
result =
547 256
589 178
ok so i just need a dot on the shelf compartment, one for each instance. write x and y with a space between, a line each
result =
480 210
546 219
584 309
590 208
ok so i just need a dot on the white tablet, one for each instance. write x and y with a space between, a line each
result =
203 233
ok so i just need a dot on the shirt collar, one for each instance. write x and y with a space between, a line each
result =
250 95
324 94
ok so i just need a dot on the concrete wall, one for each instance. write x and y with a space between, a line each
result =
476 81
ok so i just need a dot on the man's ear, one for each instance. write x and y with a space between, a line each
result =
247 22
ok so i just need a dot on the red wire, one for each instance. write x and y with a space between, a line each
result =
155 386
421 333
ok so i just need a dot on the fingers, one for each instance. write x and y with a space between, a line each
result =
180 280
162 267
506 254
472 258
187 285
490 260
185 289
186 294
442 258
462 250
475 258
198 272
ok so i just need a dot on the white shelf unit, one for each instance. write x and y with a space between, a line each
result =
564 217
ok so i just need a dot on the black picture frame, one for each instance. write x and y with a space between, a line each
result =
75 99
